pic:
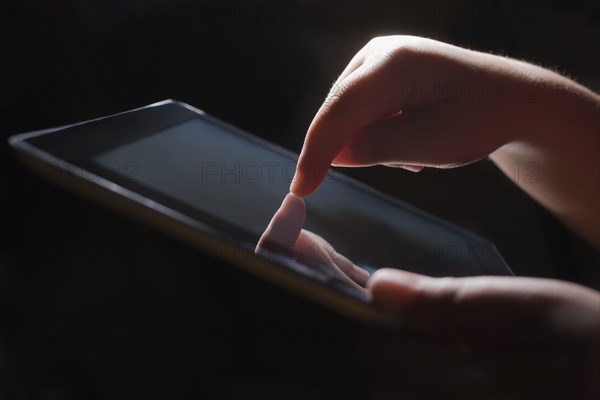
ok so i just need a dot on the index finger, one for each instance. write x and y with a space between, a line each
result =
353 103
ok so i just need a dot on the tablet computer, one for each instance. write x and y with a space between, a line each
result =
216 187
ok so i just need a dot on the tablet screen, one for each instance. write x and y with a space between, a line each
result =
240 183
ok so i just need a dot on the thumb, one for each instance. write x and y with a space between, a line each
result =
487 311
282 232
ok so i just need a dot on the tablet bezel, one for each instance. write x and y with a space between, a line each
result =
51 154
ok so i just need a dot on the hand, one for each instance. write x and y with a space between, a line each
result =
284 235
488 311
491 312
415 102
538 321
524 337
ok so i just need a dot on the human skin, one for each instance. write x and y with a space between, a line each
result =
534 121
383 109
540 320
284 235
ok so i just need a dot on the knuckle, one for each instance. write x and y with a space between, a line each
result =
448 292
374 41
394 55
400 53
335 96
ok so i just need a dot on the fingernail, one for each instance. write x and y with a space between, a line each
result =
397 276
294 179
299 206
411 168
286 224
294 182
393 291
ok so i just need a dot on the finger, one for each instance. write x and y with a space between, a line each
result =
411 168
315 251
355 63
285 226
353 102
489 312
354 272
429 136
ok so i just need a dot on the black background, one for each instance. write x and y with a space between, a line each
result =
94 306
